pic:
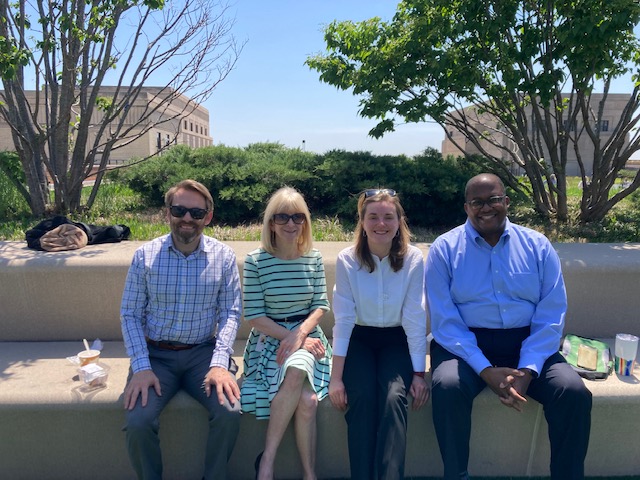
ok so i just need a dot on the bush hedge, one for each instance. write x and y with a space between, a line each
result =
242 179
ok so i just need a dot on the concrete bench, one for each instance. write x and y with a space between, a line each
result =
53 428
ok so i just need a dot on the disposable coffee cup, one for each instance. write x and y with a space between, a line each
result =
626 349
88 356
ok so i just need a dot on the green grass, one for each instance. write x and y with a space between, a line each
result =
116 204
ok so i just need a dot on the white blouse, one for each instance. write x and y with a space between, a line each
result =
382 298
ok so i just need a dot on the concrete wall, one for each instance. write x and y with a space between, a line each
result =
602 282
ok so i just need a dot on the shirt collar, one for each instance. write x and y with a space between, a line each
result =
473 233
202 246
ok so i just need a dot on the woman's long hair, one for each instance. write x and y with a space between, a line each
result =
400 241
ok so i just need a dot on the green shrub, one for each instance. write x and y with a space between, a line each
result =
152 178
12 203
430 187
242 179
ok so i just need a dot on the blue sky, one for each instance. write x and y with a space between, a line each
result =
272 96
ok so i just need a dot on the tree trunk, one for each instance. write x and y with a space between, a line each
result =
38 197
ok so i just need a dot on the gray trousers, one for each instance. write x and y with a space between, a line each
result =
176 370
377 375
562 393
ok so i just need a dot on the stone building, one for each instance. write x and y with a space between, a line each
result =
168 119
488 124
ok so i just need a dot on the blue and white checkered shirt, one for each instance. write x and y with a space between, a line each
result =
170 297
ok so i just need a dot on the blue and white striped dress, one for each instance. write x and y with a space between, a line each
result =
280 289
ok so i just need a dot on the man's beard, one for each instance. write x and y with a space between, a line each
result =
184 237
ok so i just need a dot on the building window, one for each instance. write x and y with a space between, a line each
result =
191 125
185 124
159 141
604 126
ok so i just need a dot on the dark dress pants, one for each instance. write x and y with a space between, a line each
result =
377 374
562 393
186 370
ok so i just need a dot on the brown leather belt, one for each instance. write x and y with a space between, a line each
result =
175 346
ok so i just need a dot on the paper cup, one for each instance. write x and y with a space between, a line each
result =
626 349
88 356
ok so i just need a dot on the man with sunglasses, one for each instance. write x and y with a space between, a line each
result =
497 303
180 313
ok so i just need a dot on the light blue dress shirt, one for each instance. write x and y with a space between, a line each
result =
517 283
168 296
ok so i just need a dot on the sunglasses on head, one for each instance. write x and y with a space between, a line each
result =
196 213
283 218
378 191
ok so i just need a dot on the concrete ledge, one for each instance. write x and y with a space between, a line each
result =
50 301
66 296
45 414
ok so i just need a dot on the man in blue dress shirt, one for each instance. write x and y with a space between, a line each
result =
180 313
497 304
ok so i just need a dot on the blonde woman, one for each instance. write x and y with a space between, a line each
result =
287 357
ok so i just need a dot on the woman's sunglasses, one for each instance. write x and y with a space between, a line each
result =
378 191
283 218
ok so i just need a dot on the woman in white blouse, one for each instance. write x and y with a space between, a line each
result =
379 337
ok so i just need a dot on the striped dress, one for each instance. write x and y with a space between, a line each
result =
280 289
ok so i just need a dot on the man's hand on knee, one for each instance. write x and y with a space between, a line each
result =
225 385
140 384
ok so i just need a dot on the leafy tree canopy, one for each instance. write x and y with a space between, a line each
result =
531 67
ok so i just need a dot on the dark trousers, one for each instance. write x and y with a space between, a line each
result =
562 393
377 374
177 370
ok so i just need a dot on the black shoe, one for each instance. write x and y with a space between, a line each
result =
257 464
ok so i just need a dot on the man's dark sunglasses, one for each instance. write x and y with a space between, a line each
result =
196 213
283 218
378 191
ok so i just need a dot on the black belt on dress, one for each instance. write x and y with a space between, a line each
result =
175 346
291 319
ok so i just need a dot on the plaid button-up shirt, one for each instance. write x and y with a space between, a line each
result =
170 297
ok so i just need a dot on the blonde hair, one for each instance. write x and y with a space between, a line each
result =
192 186
286 199
400 241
